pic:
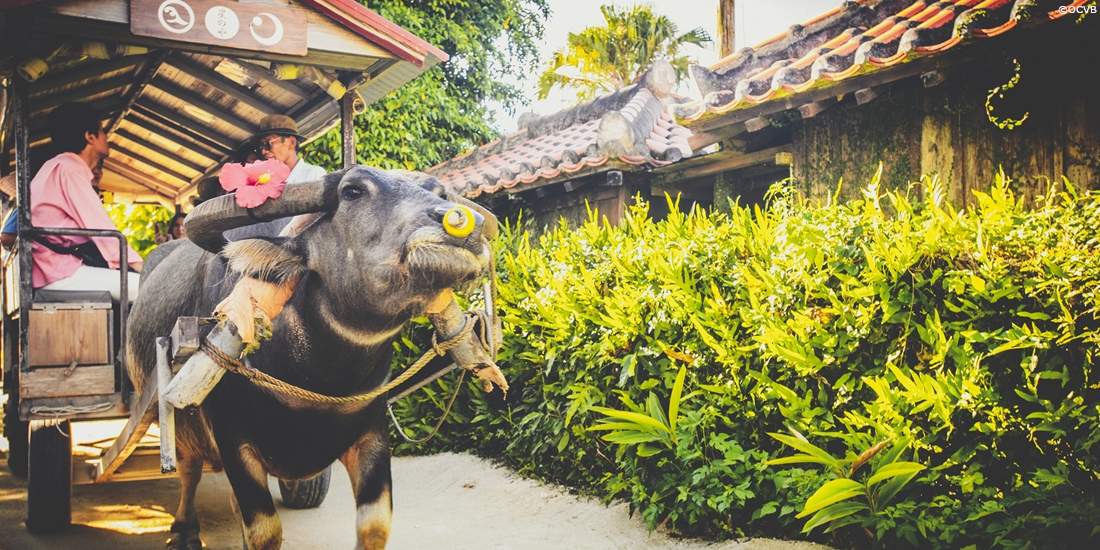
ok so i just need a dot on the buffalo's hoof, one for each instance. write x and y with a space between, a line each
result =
185 541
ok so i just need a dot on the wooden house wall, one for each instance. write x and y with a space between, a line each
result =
945 131
610 202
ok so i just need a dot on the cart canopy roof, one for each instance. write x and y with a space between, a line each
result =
181 84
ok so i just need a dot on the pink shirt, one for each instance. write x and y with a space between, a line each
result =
62 196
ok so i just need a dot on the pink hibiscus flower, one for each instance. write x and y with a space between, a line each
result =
254 183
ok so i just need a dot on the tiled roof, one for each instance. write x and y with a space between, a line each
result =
860 37
628 127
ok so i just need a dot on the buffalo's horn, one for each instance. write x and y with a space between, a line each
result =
206 223
490 228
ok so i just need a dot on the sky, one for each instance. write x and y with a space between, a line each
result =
757 20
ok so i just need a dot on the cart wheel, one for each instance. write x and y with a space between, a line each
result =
307 493
16 432
49 476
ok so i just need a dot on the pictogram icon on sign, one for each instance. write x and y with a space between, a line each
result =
176 16
276 35
222 22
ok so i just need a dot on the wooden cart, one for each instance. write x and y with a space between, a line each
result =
180 84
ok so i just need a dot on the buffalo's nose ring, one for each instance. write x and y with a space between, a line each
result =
459 221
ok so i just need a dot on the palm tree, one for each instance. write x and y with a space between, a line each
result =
603 59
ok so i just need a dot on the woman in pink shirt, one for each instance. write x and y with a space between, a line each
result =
62 196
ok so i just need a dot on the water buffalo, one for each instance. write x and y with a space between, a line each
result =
374 258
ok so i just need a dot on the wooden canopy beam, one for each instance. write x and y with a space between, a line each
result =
85 71
149 120
199 146
137 176
169 117
142 81
160 150
260 74
220 83
81 93
197 101
151 163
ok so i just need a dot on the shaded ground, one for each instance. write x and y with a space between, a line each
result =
446 501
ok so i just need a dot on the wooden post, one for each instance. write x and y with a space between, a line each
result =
20 115
726 21
166 414
347 128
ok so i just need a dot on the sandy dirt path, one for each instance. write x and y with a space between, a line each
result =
446 501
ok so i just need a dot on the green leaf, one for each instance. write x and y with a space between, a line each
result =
891 471
631 417
674 402
833 513
564 441
798 459
832 492
656 410
1034 316
621 426
630 438
888 490
800 443
842 522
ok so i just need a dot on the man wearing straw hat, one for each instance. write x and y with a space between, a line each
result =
278 139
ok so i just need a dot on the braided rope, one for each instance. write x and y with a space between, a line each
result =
235 365
435 430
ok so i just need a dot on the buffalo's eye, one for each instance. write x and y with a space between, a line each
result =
351 193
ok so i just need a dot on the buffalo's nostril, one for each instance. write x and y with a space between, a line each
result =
460 221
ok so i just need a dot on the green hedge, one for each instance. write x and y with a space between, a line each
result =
960 341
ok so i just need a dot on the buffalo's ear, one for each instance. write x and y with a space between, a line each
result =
433 185
270 260
428 183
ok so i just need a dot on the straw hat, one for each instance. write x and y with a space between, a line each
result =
281 125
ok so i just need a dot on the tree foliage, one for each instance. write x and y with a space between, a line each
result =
607 58
140 223
444 112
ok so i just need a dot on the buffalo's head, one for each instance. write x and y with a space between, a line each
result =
378 246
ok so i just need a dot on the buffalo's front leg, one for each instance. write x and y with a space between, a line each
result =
185 527
252 500
368 465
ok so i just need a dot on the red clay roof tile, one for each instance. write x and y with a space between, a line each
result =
502 165
848 41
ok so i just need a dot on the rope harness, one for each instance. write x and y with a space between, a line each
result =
235 365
